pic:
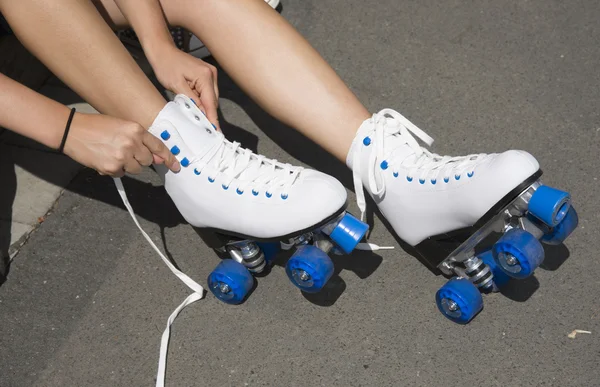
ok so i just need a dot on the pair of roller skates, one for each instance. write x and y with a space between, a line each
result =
255 206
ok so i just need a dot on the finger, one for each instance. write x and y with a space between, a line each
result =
112 170
198 104
132 166
120 173
209 102
184 88
143 156
157 148
214 72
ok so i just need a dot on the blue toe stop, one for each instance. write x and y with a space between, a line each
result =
348 232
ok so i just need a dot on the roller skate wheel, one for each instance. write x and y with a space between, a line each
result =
230 282
558 234
550 205
348 232
518 253
459 300
309 269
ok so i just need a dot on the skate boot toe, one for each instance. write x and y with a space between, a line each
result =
317 195
514 165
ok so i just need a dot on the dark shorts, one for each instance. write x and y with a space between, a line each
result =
4 27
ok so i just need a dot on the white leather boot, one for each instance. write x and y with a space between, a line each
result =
423 194
224 187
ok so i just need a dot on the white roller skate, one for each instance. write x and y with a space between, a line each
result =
445 206
244 198
252 206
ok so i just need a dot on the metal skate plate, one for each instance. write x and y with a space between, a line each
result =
511 216
246 251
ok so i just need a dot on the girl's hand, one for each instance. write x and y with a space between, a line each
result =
112 146
182 73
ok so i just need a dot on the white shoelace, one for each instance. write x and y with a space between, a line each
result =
198 291
254 172
230 161
389 125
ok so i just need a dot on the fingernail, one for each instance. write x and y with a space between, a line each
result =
176 167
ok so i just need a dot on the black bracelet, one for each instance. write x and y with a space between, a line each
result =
64 139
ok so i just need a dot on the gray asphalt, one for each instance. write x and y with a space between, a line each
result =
87 298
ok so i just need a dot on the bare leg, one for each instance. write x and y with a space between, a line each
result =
74 42
273 63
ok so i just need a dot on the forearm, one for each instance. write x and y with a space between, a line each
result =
30 114
147 19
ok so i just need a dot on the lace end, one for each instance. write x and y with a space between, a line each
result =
372 247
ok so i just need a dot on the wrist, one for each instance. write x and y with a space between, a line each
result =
65 135
69 140
58 121
158 46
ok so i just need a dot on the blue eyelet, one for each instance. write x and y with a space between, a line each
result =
395 174
409 178
165 135
384 165
255 193
433 181
446 179
184 162
239 192
225 187
175 150
197 172
421 181
268 194
367 141
457 177
284 196
211 179
470 174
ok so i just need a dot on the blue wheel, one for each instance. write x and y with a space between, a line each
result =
558 234
459 300
270 250
309 269
550 205
500 277
518 253
348 232
230 282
